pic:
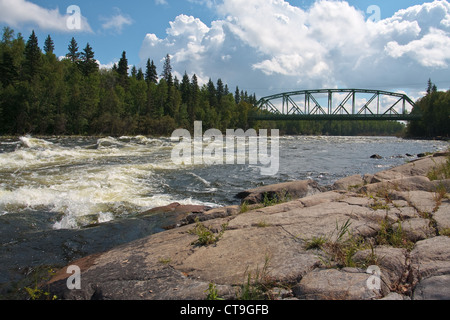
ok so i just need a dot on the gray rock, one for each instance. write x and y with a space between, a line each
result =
430 257
333 284
348 182
288 190
433 288
395 296
442 216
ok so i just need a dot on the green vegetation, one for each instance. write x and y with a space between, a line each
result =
43 95
440 172
212 293
256 285
339 247
205 235
435 108
393 236
36 291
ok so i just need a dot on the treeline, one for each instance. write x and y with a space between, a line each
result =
435 110
41 94
338 128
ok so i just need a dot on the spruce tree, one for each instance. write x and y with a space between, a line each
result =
32 56
88 64
122 70
73 54
167 71
49 45
151 76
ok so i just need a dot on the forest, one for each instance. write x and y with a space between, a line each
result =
435 110
41 94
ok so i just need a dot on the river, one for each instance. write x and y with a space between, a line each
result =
54 190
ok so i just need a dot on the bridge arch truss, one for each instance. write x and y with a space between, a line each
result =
336 104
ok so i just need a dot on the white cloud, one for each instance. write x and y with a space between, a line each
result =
117 21
161 2
272 46
22 12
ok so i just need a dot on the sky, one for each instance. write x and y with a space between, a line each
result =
262 46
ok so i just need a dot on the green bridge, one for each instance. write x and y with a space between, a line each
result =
336 104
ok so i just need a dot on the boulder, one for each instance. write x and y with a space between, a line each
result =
433 288
416 229
391 261
430 258
419 167
348 182
283 191
333 284
442 216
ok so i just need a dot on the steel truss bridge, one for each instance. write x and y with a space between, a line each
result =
327 104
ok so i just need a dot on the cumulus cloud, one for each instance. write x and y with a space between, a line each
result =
117 21
22 12
273 46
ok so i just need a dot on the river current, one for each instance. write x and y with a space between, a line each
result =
85 181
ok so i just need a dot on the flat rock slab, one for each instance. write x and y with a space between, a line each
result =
333 284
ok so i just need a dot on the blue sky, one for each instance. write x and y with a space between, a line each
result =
261 46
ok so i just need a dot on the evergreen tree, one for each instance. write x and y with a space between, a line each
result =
237 96
122 70
87 63
49 45
133 72
8 72
167 71
32 57
73 54
140 75
151 76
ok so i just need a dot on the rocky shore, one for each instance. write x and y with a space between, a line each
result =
381 236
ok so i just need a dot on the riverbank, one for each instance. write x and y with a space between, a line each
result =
295 240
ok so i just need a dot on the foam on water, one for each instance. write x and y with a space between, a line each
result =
100 183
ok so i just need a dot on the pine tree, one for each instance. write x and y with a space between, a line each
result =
8 72
88 64
133 72
32 56
237 96
151 76
122 70
140 75
167 71
49 45
73 54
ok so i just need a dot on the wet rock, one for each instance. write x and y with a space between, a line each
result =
376 156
